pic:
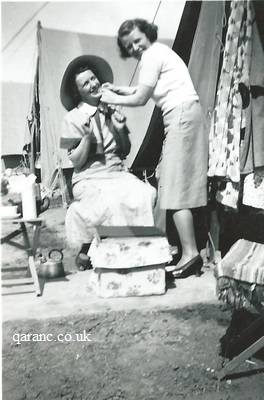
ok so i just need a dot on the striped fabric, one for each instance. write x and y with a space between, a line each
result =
244 262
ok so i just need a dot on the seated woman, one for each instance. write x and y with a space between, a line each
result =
97 140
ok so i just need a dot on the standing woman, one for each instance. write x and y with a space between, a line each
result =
182 175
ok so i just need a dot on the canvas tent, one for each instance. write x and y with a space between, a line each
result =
200 41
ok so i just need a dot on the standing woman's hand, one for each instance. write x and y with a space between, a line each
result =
110 86
108 96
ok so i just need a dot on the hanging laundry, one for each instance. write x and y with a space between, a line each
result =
228 116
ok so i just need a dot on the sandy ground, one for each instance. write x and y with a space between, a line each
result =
163 347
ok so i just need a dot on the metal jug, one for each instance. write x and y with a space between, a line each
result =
51 267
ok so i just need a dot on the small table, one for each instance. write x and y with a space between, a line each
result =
21 285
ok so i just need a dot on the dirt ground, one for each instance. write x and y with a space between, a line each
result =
134 355
155 355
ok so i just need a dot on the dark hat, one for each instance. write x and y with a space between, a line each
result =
98 65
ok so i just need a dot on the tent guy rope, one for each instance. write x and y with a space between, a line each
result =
21 29
136 67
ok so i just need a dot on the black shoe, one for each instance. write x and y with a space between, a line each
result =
83 262
190 268
171 266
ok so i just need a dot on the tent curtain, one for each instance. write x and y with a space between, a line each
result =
205 54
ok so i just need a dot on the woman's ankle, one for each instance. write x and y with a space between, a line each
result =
85 248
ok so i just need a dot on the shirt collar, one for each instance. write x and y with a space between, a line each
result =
91 110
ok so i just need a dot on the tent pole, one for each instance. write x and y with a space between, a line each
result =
32 153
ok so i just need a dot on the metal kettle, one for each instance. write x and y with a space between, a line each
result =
51 267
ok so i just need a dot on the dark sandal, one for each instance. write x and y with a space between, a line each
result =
83 262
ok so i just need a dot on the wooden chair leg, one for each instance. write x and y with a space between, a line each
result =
250 351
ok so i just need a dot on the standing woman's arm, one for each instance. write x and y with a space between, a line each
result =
123 90
140 96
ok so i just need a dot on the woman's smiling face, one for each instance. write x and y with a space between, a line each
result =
89 87
136 42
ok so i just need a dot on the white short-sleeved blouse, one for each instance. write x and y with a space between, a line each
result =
161 68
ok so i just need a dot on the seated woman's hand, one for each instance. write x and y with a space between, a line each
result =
118 119
88 127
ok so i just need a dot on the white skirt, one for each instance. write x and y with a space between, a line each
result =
182 171
121 199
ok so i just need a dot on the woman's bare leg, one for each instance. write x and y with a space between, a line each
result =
183 220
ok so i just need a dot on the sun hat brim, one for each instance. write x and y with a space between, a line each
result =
98 65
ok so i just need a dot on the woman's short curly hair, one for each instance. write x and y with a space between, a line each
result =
150 30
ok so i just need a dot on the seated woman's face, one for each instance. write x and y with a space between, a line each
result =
89 87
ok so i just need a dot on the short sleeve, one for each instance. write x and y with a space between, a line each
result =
150 68
72 130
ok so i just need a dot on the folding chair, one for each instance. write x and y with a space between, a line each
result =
240 283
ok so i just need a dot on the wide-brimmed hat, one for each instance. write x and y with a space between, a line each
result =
98 65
